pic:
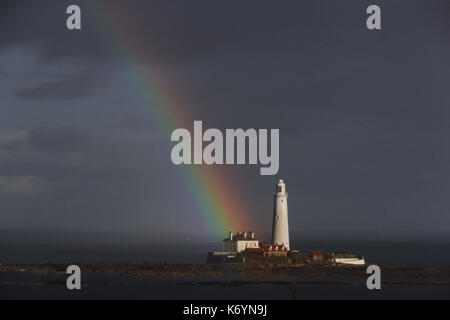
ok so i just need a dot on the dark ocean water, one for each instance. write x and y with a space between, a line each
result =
23 285
29 248
388 253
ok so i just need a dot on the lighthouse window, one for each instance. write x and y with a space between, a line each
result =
278 188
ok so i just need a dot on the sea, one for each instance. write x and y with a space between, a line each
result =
41 247
30 248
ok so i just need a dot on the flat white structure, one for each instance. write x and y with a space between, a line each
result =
280 230
239 242
348 259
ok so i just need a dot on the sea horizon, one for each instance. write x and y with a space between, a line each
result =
22 247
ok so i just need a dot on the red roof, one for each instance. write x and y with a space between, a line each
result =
254 249
274 247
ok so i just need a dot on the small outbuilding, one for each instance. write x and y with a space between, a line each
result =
318 256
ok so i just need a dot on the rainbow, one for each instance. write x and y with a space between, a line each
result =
215 199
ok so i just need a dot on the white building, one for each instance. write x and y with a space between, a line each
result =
280 231
239 242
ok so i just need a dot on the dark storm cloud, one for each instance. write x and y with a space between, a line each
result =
58 139
76 86
168 32
161 31
40 27
74 175
13 140
362 114
180 31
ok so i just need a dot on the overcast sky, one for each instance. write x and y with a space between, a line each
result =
363 115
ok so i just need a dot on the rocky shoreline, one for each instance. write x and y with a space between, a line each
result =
238 269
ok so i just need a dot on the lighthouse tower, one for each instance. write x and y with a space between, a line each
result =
280 231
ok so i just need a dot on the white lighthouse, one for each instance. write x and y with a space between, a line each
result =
280 231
